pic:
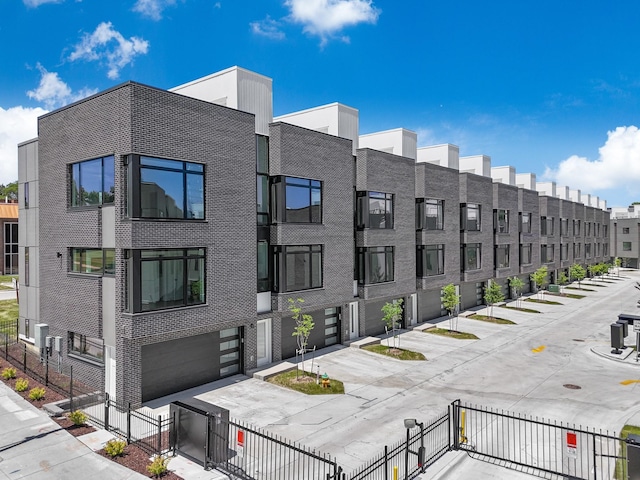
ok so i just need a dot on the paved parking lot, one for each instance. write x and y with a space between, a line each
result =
521 368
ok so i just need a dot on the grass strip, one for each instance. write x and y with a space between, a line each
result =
487 318
576 288
288 380
451 333
521 309
546 302
397 353
567 295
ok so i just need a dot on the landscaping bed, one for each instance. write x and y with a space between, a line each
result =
49 396
397 353
451 333
567 295
306 383
546 302
577 288
520 309
136 459
487 318
72 428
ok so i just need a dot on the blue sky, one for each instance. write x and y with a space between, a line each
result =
551 88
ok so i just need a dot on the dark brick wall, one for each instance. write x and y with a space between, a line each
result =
506 197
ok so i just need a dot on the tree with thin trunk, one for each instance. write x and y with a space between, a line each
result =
304 326
516 284
392 314
562 281
451 301
618 264
493 294
539 277
577 272
593 271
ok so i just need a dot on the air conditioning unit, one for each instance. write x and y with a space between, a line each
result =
41 331
57 344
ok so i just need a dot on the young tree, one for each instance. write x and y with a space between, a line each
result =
450 301
539 277
516 285
562 280
593 271
577 272
304 326
492 295
618 264
392 314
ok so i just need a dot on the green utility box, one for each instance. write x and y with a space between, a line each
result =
554 288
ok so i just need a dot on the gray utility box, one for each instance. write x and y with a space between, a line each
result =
629 317
633 457
617 339
200 431
625 326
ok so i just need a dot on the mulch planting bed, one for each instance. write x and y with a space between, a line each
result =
136 459
49 396
73 429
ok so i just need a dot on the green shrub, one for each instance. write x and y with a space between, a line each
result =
115 447
21 384
36 393
158 466
78 417
8 373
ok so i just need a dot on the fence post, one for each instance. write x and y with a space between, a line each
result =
6 346
17 330
106 411
128 423
386 462
595 457
71 388
24 357
159 435
46 367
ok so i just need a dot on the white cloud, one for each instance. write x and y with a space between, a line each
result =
17 124
268 27
618 165
325 18
152 8
107 44
37 3
54 92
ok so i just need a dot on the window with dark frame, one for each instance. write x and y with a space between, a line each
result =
430 260
296 200
471 257
84 346
587 250
297 267
94 261
164 278
547 253
92 182
576 250
502 256
26 194
470 217
525 222
525 254
501 221
375 265
434 214
626 246
374 210
262 180
625 230
26 266
264 278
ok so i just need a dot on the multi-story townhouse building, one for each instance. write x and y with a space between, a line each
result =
9 228
624 235
168 230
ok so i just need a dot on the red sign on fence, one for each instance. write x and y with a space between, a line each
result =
240 443
572 444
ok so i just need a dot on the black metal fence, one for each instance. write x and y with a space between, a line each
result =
46 370
257 454
149 432
536 445
404 455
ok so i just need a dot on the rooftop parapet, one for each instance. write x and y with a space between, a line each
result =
445 155
398 141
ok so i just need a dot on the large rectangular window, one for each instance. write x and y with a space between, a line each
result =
576 250
626 246
471 257
547 253
167 188
625 230
525 222
564 227
375 265
262 179
297 267
605 231
576 228
430 260
433 214
525 254
160 279
564 251
11 248
264 283
374 210
95 261
26 266
605 249
502 256
26 194
470 217
501 221
93 182
296 200
587 250
546 226
83 346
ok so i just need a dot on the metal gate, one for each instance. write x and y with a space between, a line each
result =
536 445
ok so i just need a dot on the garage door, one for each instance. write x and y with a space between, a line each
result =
430 305
326 331
173 366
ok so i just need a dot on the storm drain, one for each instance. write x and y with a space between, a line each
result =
571 386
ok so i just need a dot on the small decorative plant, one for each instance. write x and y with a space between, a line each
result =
8 373
36 393
78 417
21 385
158 466
115 447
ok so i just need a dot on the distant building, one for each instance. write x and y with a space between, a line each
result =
625 235
9 228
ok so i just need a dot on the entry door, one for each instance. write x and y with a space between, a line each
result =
414 309
264 342
354 317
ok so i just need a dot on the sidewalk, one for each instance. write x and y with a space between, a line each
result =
32 445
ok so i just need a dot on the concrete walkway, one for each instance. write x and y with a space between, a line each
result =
33 446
